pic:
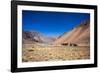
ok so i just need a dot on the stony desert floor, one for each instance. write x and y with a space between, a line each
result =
54 53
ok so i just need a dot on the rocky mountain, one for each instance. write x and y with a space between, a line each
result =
79 35
34 37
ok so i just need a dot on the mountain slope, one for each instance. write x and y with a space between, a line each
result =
79 35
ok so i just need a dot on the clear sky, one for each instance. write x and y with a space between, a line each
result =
51 23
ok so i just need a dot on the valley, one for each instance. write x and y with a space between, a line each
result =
71 45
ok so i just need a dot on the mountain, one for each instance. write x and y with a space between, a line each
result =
35 37
79 35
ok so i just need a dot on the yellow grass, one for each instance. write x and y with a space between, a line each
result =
54 53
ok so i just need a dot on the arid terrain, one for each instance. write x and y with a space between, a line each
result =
72 45
52 53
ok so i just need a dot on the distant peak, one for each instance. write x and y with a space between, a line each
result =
84 23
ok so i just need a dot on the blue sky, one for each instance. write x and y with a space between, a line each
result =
51 23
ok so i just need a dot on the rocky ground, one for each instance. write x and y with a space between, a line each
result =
54 53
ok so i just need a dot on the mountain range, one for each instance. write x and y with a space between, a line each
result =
79 35
36 37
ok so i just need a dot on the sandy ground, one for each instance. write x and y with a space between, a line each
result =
53 53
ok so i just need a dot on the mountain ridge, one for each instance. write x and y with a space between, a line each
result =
77 35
